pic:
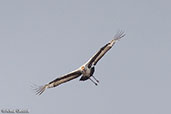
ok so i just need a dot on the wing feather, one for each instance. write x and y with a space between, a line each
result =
65 78
93 60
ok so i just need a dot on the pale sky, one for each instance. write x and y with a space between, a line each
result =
42 40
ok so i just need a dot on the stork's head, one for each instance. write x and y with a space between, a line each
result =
82 68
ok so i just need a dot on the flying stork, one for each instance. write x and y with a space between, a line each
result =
86 70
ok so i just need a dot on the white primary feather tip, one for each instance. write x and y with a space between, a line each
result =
39 89
119 35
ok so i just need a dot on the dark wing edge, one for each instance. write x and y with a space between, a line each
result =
67 77
93 60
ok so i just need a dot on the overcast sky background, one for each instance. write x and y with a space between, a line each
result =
41 40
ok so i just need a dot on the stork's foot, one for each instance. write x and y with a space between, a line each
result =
96 79
93 82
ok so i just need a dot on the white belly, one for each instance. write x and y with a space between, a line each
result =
87 72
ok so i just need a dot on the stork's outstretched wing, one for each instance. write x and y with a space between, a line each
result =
58 81
93 60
